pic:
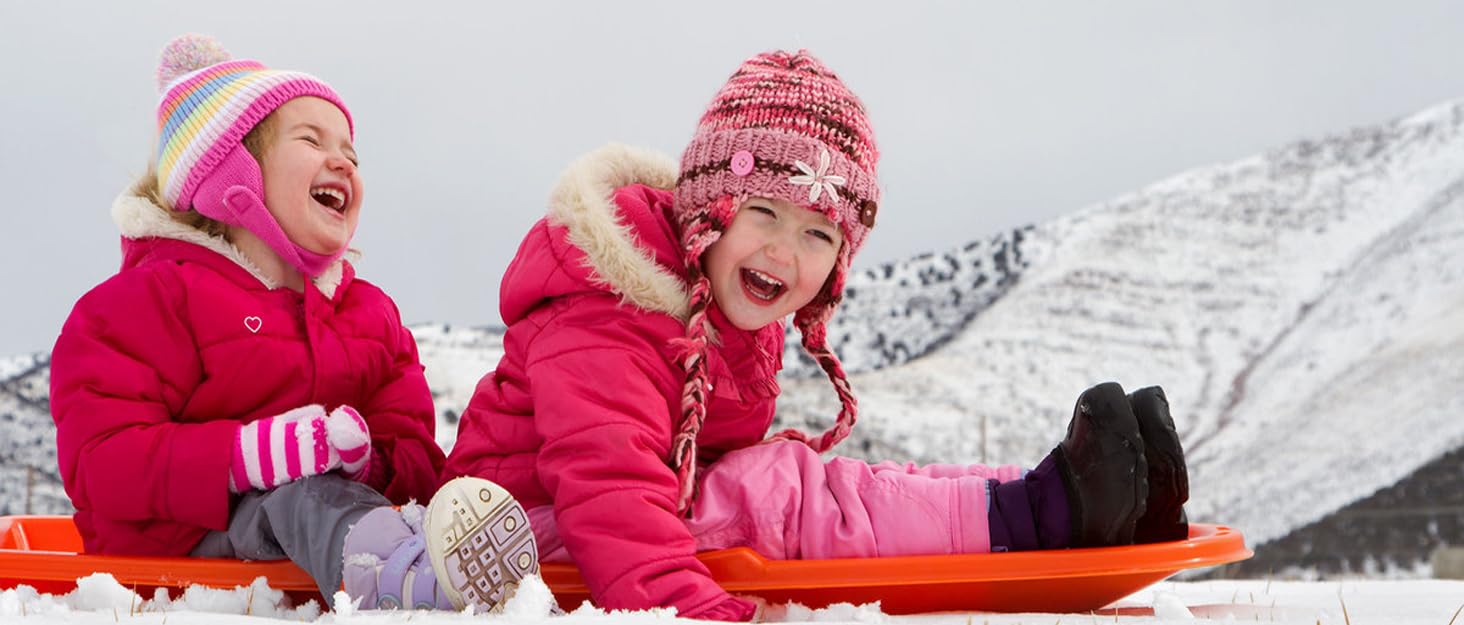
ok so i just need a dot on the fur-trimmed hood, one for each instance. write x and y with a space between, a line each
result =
608 229
593 372
138 217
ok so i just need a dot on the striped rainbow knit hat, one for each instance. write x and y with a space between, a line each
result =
208 103
785 127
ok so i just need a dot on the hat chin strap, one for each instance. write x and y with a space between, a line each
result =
231 194
246 210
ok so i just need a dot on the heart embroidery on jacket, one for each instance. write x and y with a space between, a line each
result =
253 323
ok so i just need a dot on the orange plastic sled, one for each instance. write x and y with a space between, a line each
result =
45 552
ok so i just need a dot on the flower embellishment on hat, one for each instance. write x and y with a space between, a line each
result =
817 181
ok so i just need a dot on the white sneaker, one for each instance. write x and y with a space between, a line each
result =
480 543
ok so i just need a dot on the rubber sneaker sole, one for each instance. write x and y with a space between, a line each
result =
480 543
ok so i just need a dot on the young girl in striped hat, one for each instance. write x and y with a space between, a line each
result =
235 390
629 414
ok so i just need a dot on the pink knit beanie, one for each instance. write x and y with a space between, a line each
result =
784 127
208 102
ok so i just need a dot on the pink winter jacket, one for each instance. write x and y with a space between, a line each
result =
157 367
581 409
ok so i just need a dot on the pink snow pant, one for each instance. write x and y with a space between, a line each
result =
786 503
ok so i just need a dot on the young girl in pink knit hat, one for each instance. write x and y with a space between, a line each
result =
235 390
629 414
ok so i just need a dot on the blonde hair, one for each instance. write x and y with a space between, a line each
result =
258 141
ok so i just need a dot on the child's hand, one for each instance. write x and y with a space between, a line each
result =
307 442
350 439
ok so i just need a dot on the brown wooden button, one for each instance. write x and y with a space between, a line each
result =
867 211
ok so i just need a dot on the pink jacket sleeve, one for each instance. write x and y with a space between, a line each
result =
119 371
407 459
605 419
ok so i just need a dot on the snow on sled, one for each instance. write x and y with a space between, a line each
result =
45 552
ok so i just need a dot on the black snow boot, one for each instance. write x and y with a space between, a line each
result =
1164 517
1102 465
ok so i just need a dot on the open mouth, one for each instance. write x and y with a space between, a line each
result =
330 197
762 286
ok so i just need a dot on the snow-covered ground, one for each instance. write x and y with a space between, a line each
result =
99 599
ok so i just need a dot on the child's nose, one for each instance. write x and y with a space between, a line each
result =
341 162
779 249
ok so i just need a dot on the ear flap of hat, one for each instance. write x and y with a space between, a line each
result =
237 169
234 194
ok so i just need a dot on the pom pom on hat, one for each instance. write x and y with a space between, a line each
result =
188 53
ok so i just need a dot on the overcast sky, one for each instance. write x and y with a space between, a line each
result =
988 115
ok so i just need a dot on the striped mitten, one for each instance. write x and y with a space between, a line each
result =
350 439
299 443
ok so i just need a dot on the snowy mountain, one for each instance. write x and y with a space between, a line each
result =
900 311
29 478
1304 310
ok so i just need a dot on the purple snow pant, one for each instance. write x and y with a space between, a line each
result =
786 503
